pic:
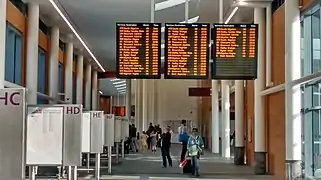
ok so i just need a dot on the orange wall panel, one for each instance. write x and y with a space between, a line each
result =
43 41
249 121
277 62
61 56
104 104
276 134
15 17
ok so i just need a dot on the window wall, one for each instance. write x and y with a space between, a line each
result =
13 56
41 75
311 92
60 81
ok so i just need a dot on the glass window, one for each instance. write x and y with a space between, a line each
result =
13 57
41 71
315 33
74 88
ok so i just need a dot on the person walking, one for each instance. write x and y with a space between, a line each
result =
183 139
165 148
133 136
143 142
195 148
153 141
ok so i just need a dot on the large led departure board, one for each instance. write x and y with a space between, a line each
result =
235 51
186 51
138 50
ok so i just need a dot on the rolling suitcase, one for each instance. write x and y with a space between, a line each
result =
187 169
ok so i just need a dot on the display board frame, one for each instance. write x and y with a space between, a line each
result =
97 133
187 25
158 76
118 129
12 135
214 64
51 149
85 138
109 130
72 134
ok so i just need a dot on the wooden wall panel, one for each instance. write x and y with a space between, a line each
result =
43 41
277 62
249 121
104 104
276 134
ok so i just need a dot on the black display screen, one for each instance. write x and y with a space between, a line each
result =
138 50
235 51
186 51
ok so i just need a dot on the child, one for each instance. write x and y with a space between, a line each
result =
195 146
143 142
153 142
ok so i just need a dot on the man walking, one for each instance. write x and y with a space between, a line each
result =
165 148
183 138
133 135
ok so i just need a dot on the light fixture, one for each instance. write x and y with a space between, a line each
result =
121 88
124 90
120 85
190 21
231 15
119 82
76 33
168 4
115 79
100 92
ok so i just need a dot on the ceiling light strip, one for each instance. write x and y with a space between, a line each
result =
190 21
231 15
76 33
168 4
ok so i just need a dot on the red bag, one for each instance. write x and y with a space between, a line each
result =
183 163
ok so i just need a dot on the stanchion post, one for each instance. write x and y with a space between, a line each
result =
88 162
69 176
123 148
117 152
97 167
32 172
109 159
75 176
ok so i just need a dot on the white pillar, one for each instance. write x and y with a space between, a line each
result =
239 123
53 62
128 100
137 105
32 53
292 93
155 104
259 122
145 104
80 78
215 119
68 72
88 87
151 101
3 20
226 150
94 91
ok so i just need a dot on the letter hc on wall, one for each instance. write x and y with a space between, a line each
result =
72 110
9 99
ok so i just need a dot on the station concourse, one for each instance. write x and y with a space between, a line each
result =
68 83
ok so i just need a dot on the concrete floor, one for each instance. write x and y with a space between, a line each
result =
149 167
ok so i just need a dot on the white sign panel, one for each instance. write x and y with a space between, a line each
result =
12 131
72 135
85 144
44 135
125 128
97 133
109 129
118 127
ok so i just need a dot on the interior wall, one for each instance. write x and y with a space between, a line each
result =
174 102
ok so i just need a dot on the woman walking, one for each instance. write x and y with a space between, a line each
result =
153 142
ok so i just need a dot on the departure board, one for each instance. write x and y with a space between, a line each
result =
186 51
138 50
235 51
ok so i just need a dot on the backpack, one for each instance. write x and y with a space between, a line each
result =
183 137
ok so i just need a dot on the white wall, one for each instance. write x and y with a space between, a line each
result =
173 102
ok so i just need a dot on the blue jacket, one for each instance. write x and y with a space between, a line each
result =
195 145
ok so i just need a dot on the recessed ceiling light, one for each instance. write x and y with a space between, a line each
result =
100 92
119 82
120 85
121 88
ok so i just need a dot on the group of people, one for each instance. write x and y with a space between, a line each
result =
153 137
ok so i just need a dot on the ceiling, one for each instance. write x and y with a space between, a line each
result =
95 20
